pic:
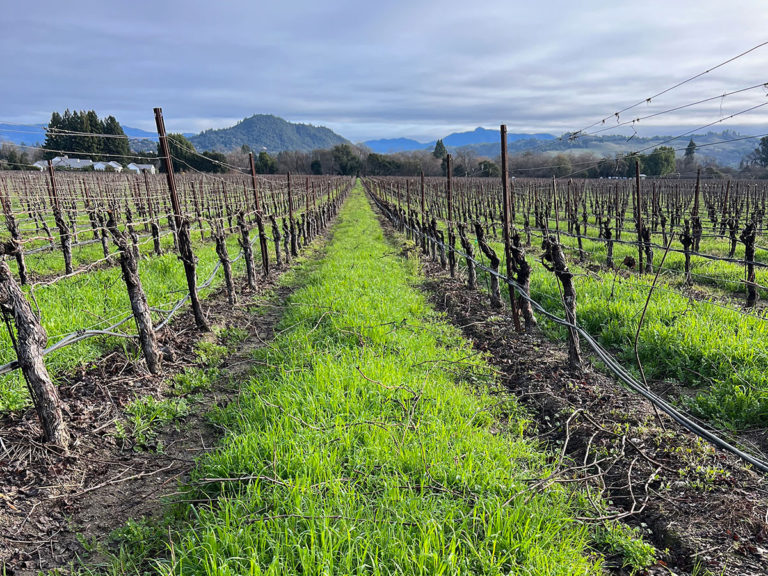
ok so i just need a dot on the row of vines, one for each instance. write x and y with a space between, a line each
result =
94 260
670 275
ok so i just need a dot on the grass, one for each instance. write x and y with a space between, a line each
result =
371 457
361 445
720 353
98 299
145 415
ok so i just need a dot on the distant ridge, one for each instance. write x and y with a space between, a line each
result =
391 145
476 137
265 131
32 134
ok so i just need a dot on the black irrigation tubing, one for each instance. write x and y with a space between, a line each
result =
79 335
611 363
659 246
675 271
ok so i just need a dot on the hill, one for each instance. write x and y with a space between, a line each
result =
266 131
392 145
720 147
483 135
23 133
478 136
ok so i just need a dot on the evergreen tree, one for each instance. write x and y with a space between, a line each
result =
440 151
114 148
265 164
761 152
79 135
690 150
52 137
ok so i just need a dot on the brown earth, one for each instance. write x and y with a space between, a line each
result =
54 506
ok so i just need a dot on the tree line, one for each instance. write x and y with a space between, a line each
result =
84 135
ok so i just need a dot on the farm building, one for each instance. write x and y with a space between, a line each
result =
139 168
64 162
108 166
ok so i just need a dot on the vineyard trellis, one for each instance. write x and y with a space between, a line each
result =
588 218
62 226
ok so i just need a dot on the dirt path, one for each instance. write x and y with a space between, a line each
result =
703 509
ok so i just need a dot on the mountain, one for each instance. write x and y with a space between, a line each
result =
266 131
484 136
476 137
392 145
139 134
23 133
725 148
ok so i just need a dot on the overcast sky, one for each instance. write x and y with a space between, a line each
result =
368 70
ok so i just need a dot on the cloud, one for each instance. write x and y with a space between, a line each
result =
382 69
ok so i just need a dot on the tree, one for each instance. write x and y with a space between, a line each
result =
347 161
761 152
265 164
489 169
212 162
81 135
185 157
660 162
114 148
182 153
11 158
440 151
690 150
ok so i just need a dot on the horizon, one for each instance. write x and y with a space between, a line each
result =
395 71
664 131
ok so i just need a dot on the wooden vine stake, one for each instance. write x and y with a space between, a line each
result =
451 233
141 314
29 342
64 236
182 227
259 219
507 227
553 253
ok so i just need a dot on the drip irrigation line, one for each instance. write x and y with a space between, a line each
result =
613 364
79 335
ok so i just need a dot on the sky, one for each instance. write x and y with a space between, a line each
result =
385 69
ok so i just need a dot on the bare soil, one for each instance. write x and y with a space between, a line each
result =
54 506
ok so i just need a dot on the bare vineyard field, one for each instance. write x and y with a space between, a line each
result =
68 263
698 246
